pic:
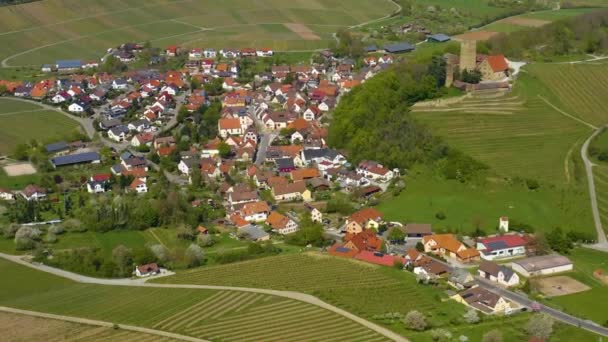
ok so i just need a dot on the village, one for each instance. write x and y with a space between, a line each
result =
269 160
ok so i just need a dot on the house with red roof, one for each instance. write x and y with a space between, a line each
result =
501 246
494 68
228 126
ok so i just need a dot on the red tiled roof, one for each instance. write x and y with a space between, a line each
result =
378 258
498 63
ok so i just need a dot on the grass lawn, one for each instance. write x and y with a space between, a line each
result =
17 182
22 122
216 315
466 205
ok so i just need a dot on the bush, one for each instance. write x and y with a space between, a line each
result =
532 184
160 252
492 336
415 320
26 237
10 230
440 215
541 326
73 225
193 255
206 240
50 238
471 316
57 230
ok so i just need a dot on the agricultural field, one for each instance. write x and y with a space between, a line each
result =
17 327
516 134
21 122
580 89
364 289
44 31
217 315
600 176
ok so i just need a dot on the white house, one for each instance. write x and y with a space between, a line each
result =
95 187
498 273
227 127
118 133
138 186
264 53
76 108
147 270
60 98
255 211
119 84
315 214
375 171
33 193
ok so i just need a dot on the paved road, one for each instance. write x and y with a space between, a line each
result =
556 314
101 324
601 235
142 283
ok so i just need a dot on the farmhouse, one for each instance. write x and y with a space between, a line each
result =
74 159
281 223
483 300
366 240
315 214
228 127
33 193
446 245
498 273
291 192
542 265
505 246
147 270
364 218
6 195
255 211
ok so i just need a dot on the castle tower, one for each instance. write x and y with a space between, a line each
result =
503 224
449 74
468 55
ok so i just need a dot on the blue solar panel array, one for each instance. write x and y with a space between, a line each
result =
87 157
342 250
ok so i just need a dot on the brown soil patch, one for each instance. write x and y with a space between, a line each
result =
559 286
302 31
476 35
19 169
525 21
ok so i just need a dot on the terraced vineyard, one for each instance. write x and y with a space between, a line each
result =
207 314
582 89
363 289
516 135
16 327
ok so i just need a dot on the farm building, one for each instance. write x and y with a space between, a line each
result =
147 270
438 38
57 147
417 230
73 159
498 273
253 233
399 48
68 65
505 246
542 265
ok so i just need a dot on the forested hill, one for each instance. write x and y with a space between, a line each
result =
373 122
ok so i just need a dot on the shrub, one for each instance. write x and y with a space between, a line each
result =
440 215
471 316
50 238
492 336
194 255
541 326
73 225
57 230
415 320
206 240
26 237
532 184
160 252
10 230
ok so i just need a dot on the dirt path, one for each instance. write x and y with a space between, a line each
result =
102 324
566 114
142 283
601 235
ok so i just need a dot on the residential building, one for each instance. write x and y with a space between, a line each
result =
281 223
448 246
33 193
482 299
255 211
291 192
364 218
366 240
147 270
498 273
417 230
315 214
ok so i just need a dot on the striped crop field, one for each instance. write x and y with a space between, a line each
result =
206 314
582 89
17 327
43 31
363 289
515 134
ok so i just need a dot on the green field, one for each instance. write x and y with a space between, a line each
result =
44 31
21 122
217 315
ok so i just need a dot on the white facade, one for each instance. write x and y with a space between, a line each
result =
75 108
290 228
544 271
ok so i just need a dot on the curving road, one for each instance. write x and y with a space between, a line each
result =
102 324
602 242
142 283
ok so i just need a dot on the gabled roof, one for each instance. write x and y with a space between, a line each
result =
498 63
277 220
364 215
502 242
378 258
